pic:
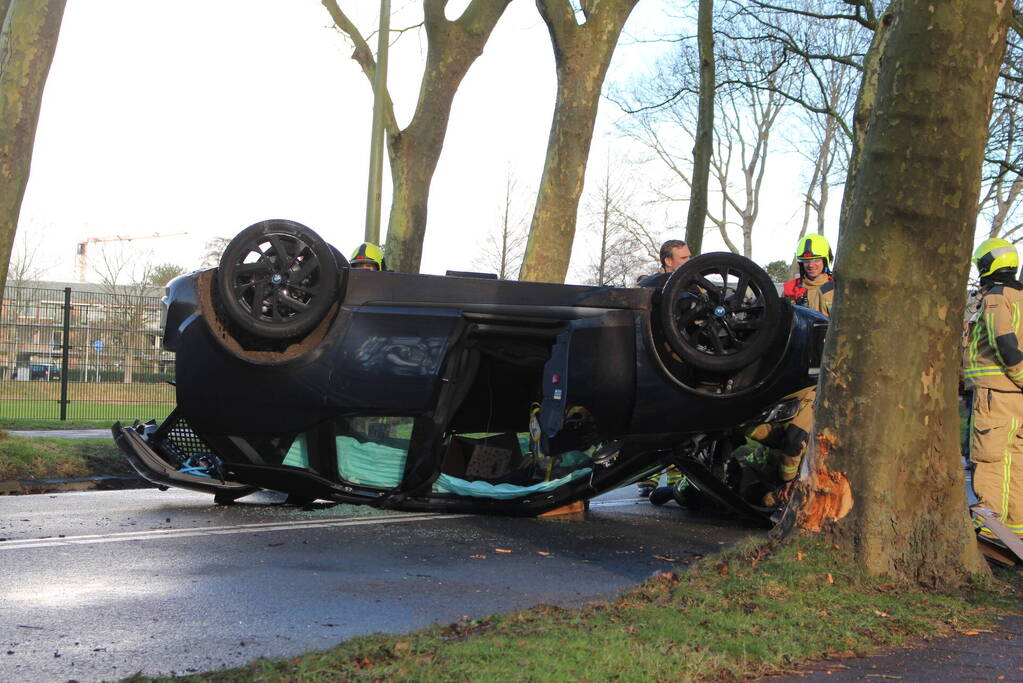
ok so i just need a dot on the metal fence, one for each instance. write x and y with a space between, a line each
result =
85 353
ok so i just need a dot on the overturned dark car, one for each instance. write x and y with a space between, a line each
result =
299 374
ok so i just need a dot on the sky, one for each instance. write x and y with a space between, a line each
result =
205 116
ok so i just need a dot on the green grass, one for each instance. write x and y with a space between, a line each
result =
33 424
84 412
103 402
754 610
41 458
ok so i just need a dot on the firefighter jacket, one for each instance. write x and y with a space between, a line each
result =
816 293
992 358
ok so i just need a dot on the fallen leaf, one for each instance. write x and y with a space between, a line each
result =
724 570
477 557
501 550
666 558
971 633
800 555
540 552
881 614
831 579
402 646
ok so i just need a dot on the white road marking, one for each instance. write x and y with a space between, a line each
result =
91 539
616 503
118 537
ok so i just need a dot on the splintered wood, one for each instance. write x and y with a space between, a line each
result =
828 494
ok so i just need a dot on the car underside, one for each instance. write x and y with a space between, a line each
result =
299 374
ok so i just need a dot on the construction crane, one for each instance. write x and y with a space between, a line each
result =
82 251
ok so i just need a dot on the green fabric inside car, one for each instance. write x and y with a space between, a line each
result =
368 464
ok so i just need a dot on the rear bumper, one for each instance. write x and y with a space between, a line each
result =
151 467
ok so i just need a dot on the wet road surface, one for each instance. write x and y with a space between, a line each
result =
100 585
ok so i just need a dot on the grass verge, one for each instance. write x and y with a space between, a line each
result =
37 424
41 458
18 413
753 610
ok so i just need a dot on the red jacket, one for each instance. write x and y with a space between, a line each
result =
795 291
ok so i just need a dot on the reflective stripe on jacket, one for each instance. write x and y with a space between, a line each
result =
992 357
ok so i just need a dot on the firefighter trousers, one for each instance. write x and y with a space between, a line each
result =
791 438
996 450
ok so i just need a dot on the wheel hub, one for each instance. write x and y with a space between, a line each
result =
720 311
276 278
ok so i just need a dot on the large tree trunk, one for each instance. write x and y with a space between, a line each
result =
704 142
582 53
883 475
865 102
452 47
28 39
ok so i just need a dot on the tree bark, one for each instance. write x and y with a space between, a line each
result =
28 39
704 141
452 47
582 53
865 102
883 474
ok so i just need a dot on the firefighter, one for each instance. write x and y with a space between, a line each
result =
815 286
993 371
814 289
368 256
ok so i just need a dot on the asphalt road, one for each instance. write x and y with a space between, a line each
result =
100 585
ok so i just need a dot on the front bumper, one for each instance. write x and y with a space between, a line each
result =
153 468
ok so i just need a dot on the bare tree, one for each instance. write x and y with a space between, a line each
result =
212 251
827 37
414 151
740 161
583 47
28 39
620 256
29 260
128 317
503 246
665 111
1003 159
825 145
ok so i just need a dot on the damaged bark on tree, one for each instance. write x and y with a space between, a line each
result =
582 53
883 475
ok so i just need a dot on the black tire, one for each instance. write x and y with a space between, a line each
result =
277 279
720 312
